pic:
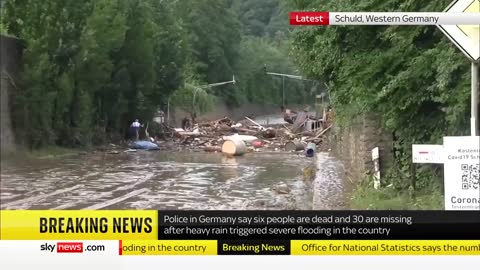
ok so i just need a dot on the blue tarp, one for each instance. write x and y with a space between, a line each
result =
146 145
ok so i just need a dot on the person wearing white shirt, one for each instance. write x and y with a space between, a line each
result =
135 127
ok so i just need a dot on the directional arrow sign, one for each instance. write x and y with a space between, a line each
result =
466 37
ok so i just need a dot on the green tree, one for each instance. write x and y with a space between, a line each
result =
102 36
213 41
412 75
91 67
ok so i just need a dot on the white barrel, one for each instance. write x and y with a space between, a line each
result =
234 147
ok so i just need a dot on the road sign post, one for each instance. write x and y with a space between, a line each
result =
376 169
474 118
467 39
460 155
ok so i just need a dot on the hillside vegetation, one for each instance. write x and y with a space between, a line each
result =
92 67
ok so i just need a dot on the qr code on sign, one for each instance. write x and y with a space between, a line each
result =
470 176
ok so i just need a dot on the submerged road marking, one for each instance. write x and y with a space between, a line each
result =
116 200
105 194
40 197
143 180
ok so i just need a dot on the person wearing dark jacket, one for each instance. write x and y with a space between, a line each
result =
185 123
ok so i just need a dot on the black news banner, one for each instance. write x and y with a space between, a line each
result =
319 225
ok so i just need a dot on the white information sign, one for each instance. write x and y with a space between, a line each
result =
462 172
427 153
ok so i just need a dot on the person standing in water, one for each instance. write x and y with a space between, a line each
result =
135 127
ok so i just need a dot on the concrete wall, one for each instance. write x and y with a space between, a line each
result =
353 144
10 64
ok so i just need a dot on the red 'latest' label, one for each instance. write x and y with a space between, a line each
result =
309 18
69 247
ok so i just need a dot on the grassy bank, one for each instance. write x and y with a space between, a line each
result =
365 197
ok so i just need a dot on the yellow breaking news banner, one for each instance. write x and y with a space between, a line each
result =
78 225
385 247
169 247
138 232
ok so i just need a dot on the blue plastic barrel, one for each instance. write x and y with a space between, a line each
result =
310 150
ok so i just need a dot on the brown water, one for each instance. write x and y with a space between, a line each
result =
184 180
158 180
331 191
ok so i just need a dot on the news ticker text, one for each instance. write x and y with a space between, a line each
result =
239 225
255 247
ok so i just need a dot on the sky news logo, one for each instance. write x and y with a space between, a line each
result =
63 247
71 247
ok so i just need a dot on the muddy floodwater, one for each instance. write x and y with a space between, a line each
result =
160 180
182 180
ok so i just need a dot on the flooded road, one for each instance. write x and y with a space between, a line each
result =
182 180
158 180
330 187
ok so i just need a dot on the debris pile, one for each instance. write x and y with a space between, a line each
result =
304 133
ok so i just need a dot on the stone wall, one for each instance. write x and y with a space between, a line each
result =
10 64
353 144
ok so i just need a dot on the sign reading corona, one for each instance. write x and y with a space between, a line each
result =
462 173
465 37
461 159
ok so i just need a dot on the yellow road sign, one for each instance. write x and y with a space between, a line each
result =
472 31
465 37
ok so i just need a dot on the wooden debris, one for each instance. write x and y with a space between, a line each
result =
255 123
294 146
212 149
210 135
319 134
244 130
190 134
308 133
269 133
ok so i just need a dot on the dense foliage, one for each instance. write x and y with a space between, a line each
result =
91 67
410 75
